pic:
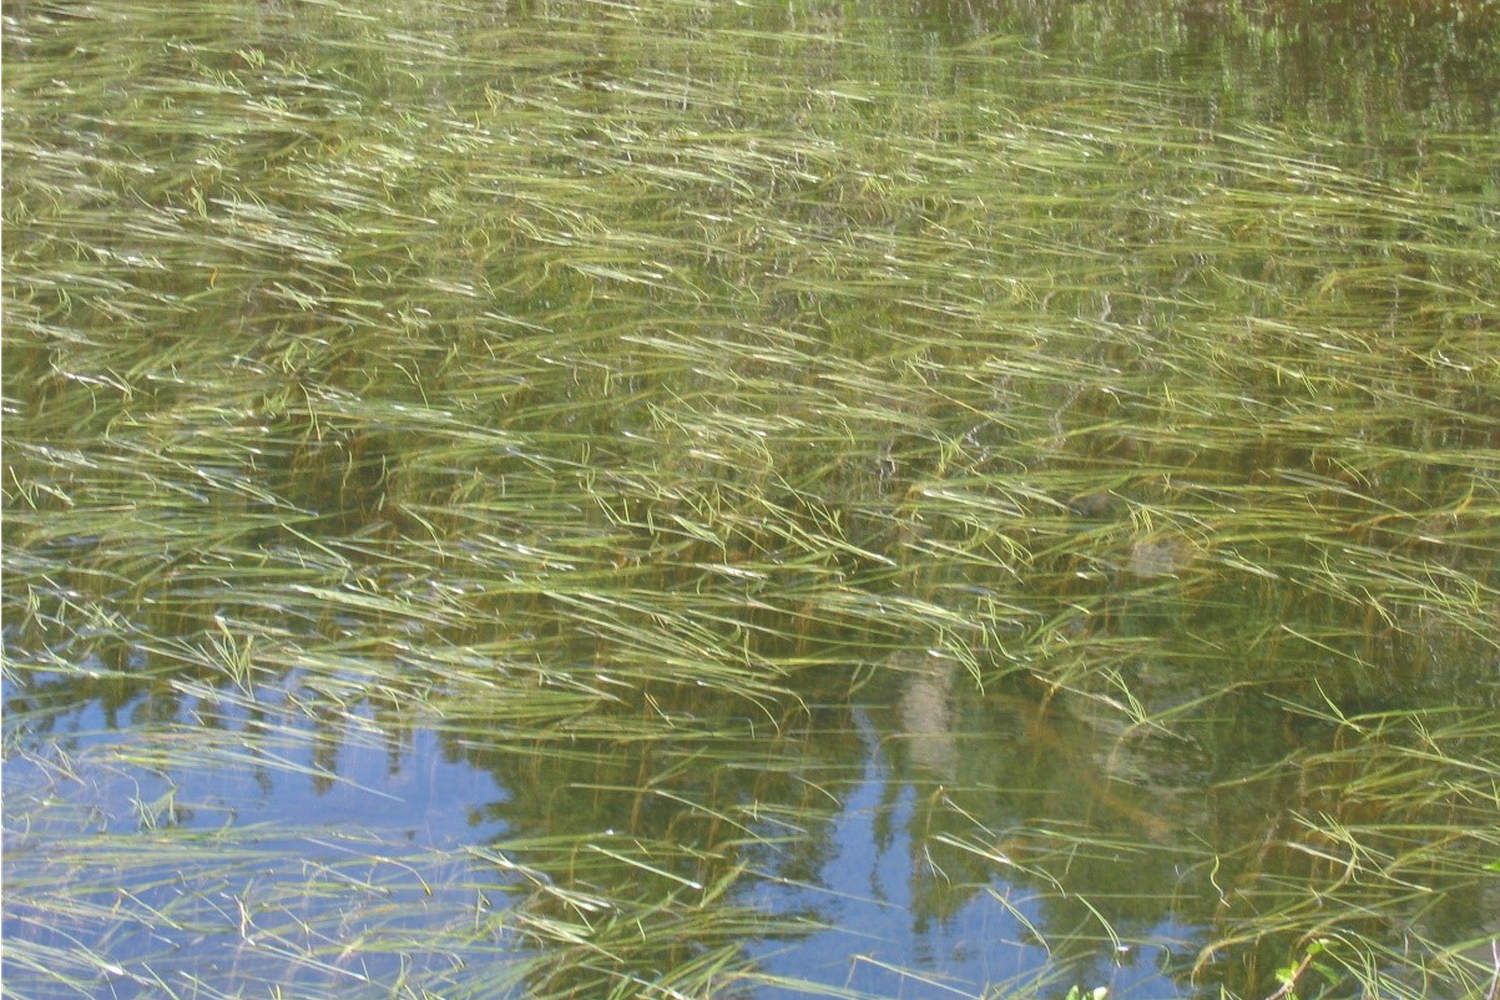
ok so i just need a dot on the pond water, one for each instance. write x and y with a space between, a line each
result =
751 500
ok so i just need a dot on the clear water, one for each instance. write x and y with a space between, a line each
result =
906 500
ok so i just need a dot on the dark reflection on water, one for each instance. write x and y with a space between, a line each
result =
904 915
937 839
900 925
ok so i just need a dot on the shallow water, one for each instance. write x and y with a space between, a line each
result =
764 500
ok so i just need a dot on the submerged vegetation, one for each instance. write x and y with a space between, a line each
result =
686 499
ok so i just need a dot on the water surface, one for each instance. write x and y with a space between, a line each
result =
759 500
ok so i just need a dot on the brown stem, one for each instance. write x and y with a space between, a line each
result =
1291 980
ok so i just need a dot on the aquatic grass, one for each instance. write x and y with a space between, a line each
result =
627 397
